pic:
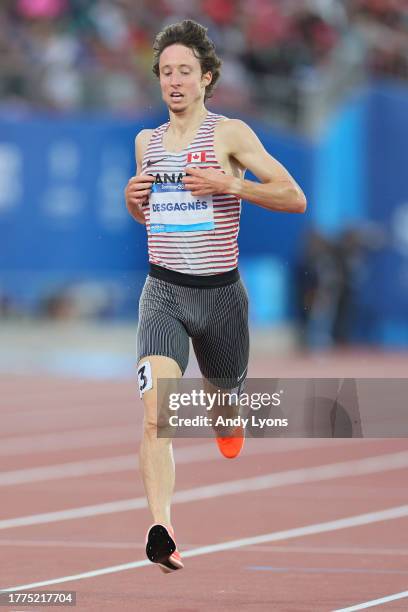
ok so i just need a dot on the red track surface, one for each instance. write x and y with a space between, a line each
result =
320 572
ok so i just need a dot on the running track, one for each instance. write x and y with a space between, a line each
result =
292 525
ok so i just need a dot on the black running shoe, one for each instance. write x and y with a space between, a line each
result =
162 549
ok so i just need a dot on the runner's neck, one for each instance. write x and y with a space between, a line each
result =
181 127
174 141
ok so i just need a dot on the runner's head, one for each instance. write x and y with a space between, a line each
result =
185 62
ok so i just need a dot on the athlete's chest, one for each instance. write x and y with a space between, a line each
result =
201 147
177 144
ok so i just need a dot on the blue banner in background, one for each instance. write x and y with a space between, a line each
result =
388 206
361 182
64 227
63 219
341 169
61 203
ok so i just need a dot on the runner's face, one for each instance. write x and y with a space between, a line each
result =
180 73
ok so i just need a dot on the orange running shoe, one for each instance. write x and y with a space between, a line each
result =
231 447
162 549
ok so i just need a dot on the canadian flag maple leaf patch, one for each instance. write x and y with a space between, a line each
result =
197 157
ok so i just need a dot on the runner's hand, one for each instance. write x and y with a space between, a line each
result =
208 181
137 193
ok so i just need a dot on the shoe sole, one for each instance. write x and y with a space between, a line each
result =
159 548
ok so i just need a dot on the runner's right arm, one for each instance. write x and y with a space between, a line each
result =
138 189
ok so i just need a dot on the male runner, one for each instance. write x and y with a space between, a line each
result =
187 191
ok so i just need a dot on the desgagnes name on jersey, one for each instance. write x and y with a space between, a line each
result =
177 206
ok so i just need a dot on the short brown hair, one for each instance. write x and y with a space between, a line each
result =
193 35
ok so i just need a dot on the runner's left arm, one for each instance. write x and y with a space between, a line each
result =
277 190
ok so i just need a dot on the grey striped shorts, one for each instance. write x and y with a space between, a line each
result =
215 318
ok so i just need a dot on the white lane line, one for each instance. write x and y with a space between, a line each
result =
72 469
293 569
78 544
321 550
328 550
71 544
356 467
68 440
374 602
108 465
28 417
275 536
105 465
85 438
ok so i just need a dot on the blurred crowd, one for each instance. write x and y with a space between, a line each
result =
65 55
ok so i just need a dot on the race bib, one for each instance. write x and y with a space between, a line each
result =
174 209
144 376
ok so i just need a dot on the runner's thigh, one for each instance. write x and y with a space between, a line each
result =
222 351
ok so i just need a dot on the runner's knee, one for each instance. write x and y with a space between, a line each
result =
154 369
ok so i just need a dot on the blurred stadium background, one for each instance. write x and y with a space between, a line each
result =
324 83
